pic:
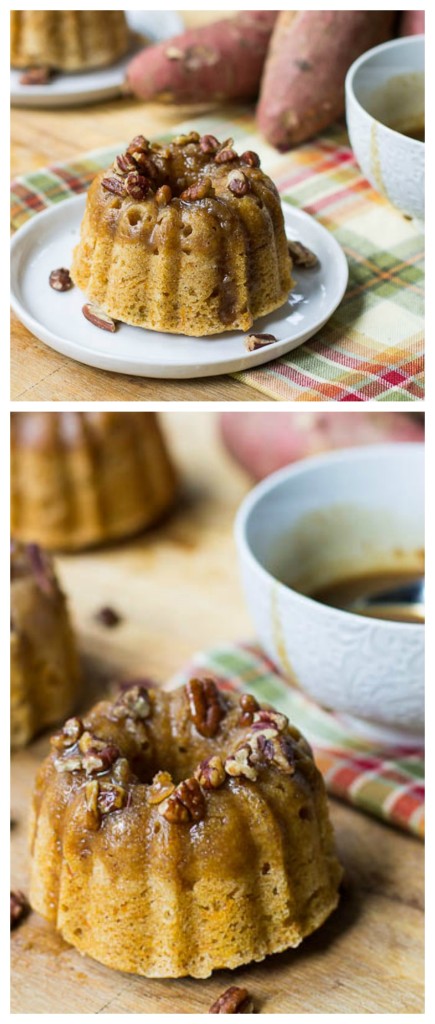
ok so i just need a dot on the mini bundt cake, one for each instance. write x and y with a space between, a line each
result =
44 664
187 238
67 40
174 833
84 478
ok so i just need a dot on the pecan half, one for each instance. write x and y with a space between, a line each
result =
255 341
133 703
301 256
249 706
164 195
161 788
211 773
111 798
265 718
68 764
184 140
205 706
70 734
208 144
114 185
36 76
240 763
139 143
186 803
88 741
250 158
137 185
98 317
20 907
121 771
92 790
276 750
60 280
145 164
95 761
200 190
233 1000
238 183
125 163
225 156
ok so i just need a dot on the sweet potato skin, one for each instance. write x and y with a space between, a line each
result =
411 23
264 443
220 61
302 89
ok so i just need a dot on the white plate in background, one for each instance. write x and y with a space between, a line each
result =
46 242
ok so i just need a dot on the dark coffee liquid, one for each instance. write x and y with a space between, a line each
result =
413 131
376 595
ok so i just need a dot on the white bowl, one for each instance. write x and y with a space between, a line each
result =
386 87
323 516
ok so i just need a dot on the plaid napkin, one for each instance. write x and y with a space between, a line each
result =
372 346
386 783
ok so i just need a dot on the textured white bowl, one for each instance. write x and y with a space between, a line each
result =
346 508
387 83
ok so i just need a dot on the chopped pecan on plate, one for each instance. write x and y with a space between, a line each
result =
36 76
98 317
301 256
255 341
233 1000
60 280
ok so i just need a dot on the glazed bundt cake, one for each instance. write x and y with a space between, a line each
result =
44 664
84 478
187 238
67 40
174 833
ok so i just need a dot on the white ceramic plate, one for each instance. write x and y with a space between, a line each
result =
46 242
104 83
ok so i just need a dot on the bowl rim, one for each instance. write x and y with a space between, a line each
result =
298 468
355 67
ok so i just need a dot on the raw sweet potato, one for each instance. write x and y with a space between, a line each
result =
264 442
411 23
220 61
302 89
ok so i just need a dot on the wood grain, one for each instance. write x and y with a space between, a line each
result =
177 590
41 137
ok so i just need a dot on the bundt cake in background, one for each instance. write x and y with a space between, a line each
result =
83 478
67 40
187 238
174 833
44 665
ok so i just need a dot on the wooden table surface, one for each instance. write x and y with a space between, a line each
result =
41 137
177 590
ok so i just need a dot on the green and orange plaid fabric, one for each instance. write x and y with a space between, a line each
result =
372 347
388 783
